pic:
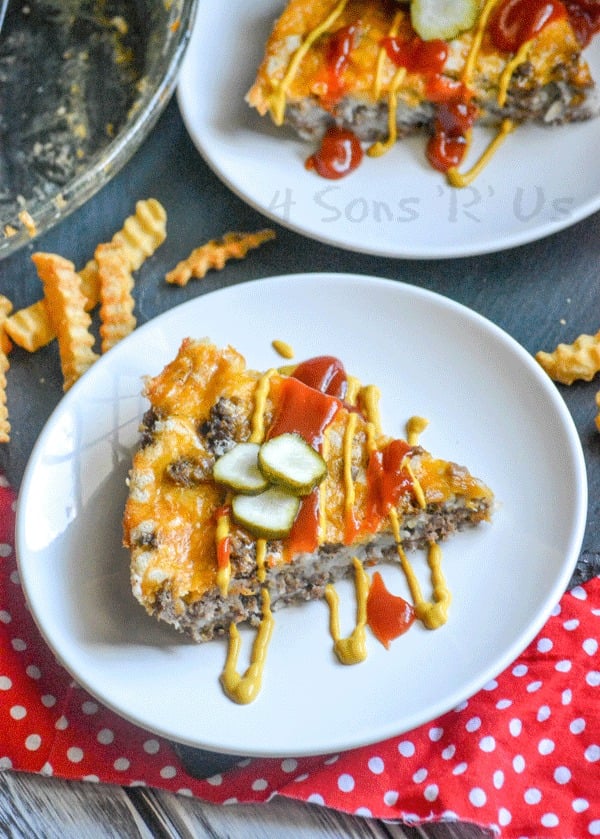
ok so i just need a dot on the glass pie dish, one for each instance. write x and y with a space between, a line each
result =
82 83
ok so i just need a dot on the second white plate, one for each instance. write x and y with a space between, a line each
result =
491 407
540 181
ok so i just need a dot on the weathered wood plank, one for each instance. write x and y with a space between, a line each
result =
281 819
35 807
188 818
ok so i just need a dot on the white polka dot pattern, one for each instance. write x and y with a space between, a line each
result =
522 757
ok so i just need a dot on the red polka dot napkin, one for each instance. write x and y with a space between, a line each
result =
521 757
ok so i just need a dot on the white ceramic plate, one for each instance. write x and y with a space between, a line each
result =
490 407
541 180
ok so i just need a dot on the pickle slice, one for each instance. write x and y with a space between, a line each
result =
238 469
288 460
444 19
268 515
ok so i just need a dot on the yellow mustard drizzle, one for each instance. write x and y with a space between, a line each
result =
277 99
382 146
349 494
352 390
520 56
244 689
260 398
432 613
370 395
459 179
467 72
417 488
454 177
284 349
382 54
353 649
224 572
261 552
414 428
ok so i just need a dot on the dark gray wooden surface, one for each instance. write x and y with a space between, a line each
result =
541 293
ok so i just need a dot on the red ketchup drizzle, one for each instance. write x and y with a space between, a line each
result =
395 480
455 113
585 19
307 406
339 154
324 373
514 22
388 616
339 48
387 482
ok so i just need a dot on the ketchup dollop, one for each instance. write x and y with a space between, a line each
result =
448 144
388 615
514 22
425 57
339 154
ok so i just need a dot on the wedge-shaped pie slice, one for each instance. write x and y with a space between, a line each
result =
205 548
359 70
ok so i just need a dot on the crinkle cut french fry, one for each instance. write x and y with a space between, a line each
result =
141 234
579 361
5 347
5 310
66 307
31 327
215 253
116 301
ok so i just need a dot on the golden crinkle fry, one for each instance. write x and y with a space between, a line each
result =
579 361
215 253
142 233
66 306
5 347
116 299
31 327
